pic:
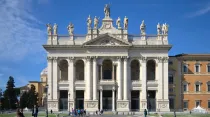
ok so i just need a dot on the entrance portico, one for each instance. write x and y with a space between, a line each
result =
108 69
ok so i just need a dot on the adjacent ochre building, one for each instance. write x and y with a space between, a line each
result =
108 68
195 75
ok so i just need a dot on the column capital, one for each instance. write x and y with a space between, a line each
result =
101 88
49 58
160 59
113 88
119 58
55 59
165 59
70 59
143 59
95 58
88 58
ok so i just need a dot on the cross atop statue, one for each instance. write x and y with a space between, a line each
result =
107 10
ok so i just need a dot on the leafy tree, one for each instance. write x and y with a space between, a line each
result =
10 96
23 100
32 97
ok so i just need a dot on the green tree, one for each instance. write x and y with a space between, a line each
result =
32 97
23 100
10 96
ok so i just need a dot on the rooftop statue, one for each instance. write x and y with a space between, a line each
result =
165 29
118 23
143 28
107 10
70 28
96 22
49 29
89 22
125 23
158 29
55 28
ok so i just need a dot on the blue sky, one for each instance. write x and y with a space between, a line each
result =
23 29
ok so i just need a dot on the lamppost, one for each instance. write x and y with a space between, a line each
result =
46 100
148 103
69 103
174 86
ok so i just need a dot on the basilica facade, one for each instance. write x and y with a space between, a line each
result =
107 68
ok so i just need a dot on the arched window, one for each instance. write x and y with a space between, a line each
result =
151 66
107 69
79 70
135 70
63 65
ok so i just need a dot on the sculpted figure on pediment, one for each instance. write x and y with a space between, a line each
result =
107 42
143 28
158 29
96 22
89 22
55 28
70 28
118 23
49 29
125 23
165 29
107 10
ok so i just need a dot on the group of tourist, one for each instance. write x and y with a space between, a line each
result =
78 112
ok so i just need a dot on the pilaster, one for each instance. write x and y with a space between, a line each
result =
55 78
95 74
88 80
49 77
119 78
143 73
71 74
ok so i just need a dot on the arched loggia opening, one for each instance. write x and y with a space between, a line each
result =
107 69
135 70
80 70
63 66
151 69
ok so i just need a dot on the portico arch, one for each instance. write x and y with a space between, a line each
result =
63 66
135 70
151 68
79 69
107 69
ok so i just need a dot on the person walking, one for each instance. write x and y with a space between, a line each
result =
145 112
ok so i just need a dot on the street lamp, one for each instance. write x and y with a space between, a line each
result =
148 106
174 86
46 100
69 103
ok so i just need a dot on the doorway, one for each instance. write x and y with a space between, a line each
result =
80 99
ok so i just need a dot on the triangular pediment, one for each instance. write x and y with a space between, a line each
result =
106 40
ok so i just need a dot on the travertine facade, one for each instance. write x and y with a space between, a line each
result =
107 68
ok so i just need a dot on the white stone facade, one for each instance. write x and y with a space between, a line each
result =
95 53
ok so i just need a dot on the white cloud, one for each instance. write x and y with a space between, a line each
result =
202 11
19 35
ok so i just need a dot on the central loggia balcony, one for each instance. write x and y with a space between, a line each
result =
107 82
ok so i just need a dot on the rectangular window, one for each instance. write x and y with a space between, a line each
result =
185 104
197 68
170 62
197 103
209 104
171 79
197 88
185 68
185 87
171 90
208 68
208 88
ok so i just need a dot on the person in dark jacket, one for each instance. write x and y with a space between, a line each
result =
145 112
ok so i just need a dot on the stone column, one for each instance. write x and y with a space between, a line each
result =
95 71
101 67
55 78
165 66
125 93
71 80
119 79
101 99
160 78
49 77
113 99
88 85
143 74
112 71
